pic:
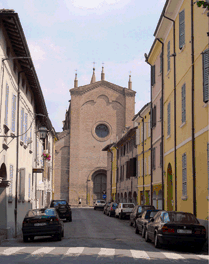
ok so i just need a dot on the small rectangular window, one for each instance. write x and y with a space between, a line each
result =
168 56
152 75
22 124
6 105
183 103
153 159
26 128
181 29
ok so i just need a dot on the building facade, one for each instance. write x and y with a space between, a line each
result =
22 112
97 114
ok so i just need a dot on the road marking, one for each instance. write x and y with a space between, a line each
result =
139 254
107 252
173 255
203 256
75 250
44 250
10 251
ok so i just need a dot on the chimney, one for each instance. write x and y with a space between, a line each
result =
102 74
75 81
130 83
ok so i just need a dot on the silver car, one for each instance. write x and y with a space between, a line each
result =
99 204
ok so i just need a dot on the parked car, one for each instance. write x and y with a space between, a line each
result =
111 209
175 227
63 209
42 222
124 209
143 220
99 204
137 211
105 207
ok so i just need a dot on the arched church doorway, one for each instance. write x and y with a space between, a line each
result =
99 185
169 188
3 185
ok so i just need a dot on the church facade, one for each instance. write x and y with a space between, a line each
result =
98 114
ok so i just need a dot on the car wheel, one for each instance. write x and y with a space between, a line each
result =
109 214
70 218
31 238
59 236
198 247
25 238
103 212
137 230
147 237
94 208
120 216
130 223
143 232
157 243
134 224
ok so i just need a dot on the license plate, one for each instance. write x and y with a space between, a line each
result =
40 224
182 231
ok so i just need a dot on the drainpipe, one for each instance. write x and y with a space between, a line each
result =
17 150
143 158
111 175
151 134
193 135
162 127
174 66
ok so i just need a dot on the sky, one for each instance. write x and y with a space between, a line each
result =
68 35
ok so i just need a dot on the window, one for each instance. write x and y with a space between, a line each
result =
139 135
145 166
181 29
152 75
205 63
13 112
26 128
161 154
168 56
142 133
6 105
139 168
11 183
154 116
149 158
183 103
29 182
102 131
22 185
184 175
169 119
161 108
31 137
14 67
145 130
22 123
153 159
161 62
149 128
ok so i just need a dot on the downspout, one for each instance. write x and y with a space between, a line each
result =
193 135
151 139
143 157
162 127
111 176
174 65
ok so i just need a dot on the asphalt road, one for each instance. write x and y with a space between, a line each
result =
93 237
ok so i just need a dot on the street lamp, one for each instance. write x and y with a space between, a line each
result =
43 132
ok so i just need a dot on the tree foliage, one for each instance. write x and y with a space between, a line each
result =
202 3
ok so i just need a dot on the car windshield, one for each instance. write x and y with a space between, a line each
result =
180 217
128 205
41 212
102 201
55 203
139 209
150 214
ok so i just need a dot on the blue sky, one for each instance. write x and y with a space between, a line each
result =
65 35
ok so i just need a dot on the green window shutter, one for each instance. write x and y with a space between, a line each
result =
183 103
181 29
26 127
168 56
13 112
22 123
169 120
205 60
152 75
6 105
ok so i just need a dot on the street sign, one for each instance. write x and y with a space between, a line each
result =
38 170
104 196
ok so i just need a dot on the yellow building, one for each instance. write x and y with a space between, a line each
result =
144 154
185 106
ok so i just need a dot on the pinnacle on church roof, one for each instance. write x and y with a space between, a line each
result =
102 74
75 81
93 78
130 83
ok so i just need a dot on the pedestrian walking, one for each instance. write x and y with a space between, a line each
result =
79 201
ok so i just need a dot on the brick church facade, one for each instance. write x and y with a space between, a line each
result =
98 114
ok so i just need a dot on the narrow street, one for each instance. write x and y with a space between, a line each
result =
93 237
